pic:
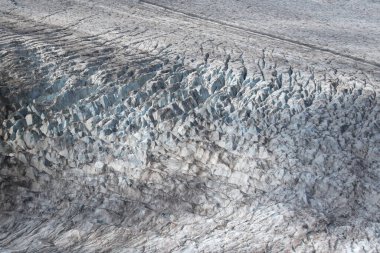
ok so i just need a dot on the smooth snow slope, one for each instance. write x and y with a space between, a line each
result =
348 26
128 127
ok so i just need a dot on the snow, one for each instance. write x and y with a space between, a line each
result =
202 126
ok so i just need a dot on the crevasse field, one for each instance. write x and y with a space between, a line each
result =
189 126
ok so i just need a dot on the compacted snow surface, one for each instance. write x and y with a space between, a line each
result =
189 126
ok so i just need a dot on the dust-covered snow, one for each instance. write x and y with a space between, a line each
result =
189 126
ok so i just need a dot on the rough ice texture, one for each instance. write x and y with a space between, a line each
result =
130 128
